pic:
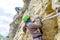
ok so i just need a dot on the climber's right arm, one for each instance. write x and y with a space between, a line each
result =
24 29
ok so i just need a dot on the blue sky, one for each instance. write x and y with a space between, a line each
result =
7 13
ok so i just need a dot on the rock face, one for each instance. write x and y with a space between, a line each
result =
34 7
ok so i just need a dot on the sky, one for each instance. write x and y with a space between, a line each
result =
7 12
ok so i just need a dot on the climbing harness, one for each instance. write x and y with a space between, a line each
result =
37 36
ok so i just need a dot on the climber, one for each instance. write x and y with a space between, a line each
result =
33 27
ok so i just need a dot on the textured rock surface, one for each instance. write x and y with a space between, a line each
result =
57 36
50 27
33 7
15 24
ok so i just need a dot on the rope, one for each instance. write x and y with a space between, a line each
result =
51 17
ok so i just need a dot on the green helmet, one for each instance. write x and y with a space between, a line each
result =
25 18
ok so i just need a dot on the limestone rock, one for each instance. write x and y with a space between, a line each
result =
15 24
42 8
57 37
